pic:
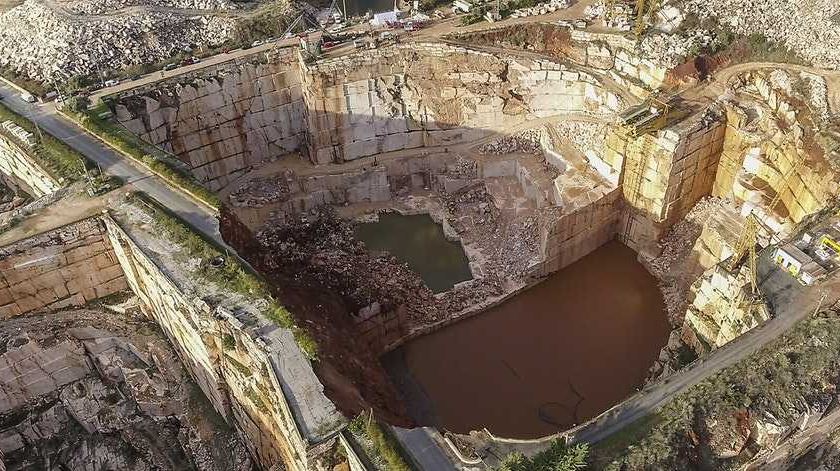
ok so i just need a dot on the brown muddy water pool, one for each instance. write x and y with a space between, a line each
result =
553 356
418 241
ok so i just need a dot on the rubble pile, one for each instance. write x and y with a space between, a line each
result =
817 95
669 267
113 396
620 19
812 33
258 192
585 136
527 141
98 7
671 50
322 251
541 8
46 43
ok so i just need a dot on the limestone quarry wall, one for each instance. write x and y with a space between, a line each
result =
665 173
223 119
252 371
580 231
619 56
769 153
411 96
17 161
68 266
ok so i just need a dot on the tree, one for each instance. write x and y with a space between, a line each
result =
558 457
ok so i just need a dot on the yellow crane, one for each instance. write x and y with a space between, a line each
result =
645 11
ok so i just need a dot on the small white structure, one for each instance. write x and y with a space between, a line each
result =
461 5
799 264
385 17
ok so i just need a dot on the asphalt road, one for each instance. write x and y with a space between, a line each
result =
114 163
426 453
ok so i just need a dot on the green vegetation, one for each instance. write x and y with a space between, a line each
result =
56 156
32 86
242 369
232 275
271 21
558 457
257 400
473 17
384 445
431 5
755 47
794 372
160 162
228 342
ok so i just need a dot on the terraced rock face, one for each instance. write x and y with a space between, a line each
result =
427 95
230 118
225 121
90 389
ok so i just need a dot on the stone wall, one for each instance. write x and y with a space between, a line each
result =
68 266
224 119
770 150
664 173
252 371
411 96
618 55
17 160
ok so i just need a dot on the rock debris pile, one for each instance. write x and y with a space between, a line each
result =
261 191
527 141
670 266
541 8
44 41
98 7
584 135
811 31
88 390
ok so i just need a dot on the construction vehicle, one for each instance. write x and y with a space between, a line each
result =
644 118
645 13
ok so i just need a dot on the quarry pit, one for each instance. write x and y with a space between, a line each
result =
494 242
553 202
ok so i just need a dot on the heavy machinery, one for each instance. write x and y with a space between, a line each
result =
649 116
645 12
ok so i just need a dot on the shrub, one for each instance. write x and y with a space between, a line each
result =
558 457
384 444
57 157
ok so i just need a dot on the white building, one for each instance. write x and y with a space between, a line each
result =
385 17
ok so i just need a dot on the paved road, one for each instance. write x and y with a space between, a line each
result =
426 453
208 62
113 163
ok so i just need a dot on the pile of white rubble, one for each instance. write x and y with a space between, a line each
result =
541 8
50 42
811 29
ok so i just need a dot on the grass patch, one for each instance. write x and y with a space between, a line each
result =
34 87
161 162
558 457
232 275
61 160
385 446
